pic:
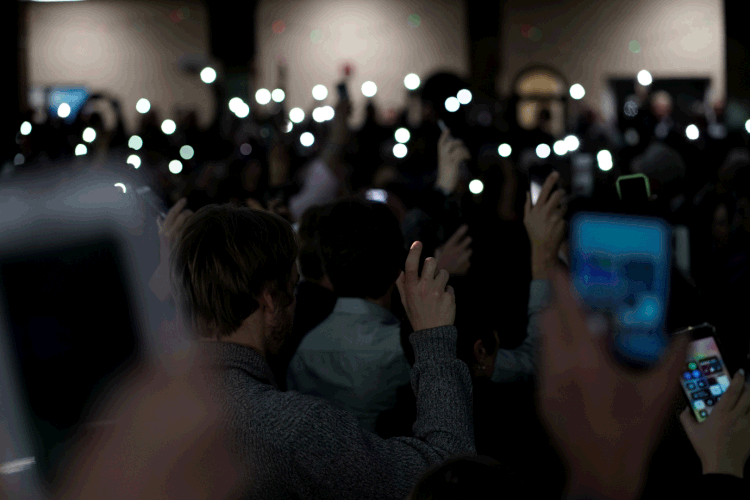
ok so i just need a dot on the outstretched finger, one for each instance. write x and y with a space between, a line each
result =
429 269
527 205
401 291
549 184
411 267
174 212
444 137
456 237
554 201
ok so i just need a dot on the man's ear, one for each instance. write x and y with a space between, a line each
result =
266 302
480 353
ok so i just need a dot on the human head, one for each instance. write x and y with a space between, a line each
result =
362 248
435 90
310 263
226 259
461 477
477 344
661 104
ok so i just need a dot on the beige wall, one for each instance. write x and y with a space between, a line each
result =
588 41
129 49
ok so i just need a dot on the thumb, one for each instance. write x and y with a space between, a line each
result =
687 420
400 286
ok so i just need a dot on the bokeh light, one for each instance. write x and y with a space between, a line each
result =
319 115
135 142
403 135
631 137
604 159
175 166
634 46
288 126
504 150
168 127
577 91
25 128
242 110
542 151
452 104
476 186
134 160
400 150
630 109
571 143
328 113
369 89
18 159
691 132
64 110
263 97
278 95
644 77
121 186
464 96
246 149
535 34
319 92
307 139
278 26
143 105
560 148
747 126
89 134
411 81
235 103
296 115
81 150
414 20
316 36
187 152
208 75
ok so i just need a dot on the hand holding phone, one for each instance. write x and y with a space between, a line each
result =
545 226
452 157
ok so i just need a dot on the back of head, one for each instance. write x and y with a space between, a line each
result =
463 477
474 322
227 256
362 248
310 263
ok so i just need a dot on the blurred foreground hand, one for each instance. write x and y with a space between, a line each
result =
453 256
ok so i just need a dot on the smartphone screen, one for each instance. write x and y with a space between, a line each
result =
536 189
621 269
705 377
75 97
633 189
377 195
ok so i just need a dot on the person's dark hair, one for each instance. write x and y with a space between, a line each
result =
474 322
439 86
461 477
225 257
311 266
362 248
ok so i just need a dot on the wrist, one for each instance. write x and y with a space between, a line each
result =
541 263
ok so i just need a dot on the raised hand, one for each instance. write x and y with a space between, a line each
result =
169 231
453 256
546 227
426 299
451 152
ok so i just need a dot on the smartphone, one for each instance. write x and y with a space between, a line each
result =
152 200
342 91
377 195
621 268
537 176
705 376
633 188
464 167
75 97
442 125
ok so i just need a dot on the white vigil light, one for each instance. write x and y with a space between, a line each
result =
504 150
135 142
25 128
263 97
187 152
403 135
604 159
81 150
142 106
319 92
747 126
235 103
644 77
208 75
476 186
296 115
369 89
288 127
577 91
64 110
18 159
242 110
278 95
89 134
571 143
452 104
328 113
134 160
168 127
692 132
319 115
411 81
542 151
464 96
560 148
121 186
400 150
307 139
175 166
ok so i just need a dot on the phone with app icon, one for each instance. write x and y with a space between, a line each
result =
705 376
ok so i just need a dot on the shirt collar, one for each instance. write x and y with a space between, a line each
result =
361 307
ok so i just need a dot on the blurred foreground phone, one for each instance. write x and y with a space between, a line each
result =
633 188
705 376
537 176
152 200
343 93
621 269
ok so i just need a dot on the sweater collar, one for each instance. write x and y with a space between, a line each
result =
229 355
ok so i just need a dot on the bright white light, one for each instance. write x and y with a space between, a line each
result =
186 152
89 134
319 115
319 92
288 127
504 150
278 95
208 75
464 96
403 135
747 126
571 143
134 160
604 158
329 113
168 127
476 186
175 166
18 159
452 104
560 148
235 103
577 91
692 132
400 150
25 128
369 89
411 81
135 142
81 150
542 151
263 96
64 110
307 139
644 77
242 110
296 115
121 186
142 106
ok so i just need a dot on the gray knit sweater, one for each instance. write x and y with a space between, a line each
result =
297 447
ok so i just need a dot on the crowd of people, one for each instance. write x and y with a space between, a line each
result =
367 326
